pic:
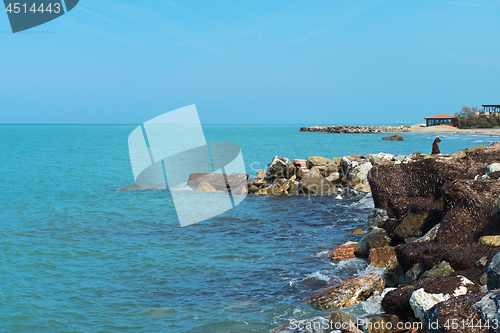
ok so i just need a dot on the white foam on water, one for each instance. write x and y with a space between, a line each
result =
180 187
351 266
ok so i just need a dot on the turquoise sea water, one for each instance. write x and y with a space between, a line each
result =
78 256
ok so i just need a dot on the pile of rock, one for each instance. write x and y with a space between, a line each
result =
433 236
356 129
320 175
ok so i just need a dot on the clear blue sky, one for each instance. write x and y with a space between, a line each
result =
260 62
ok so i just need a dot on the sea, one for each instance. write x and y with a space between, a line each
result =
76 255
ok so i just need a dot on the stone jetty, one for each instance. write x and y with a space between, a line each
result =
356 129
432 245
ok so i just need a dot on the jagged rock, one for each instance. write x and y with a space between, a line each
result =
488 308
261 174
300 163
459 154
358 178
343 252
393 137
385 257
280 185
293 186
342 293
482 262
441 269
355 233
411 224
313 173
397 302
253 189
313 161
430 235
480 147
494 273
456 315
489 240
334 177
381 158
280 167
205 186
217 180
412 276
492 168
422 300
316 186
399 158
375 238
243 189
382 323
261 191
326 170
377 218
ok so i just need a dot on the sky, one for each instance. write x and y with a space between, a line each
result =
252 62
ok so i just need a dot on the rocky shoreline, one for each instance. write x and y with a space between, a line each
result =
356 129
431 242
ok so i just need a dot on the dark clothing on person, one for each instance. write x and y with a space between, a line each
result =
435 148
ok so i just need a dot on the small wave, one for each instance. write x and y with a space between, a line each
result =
180 187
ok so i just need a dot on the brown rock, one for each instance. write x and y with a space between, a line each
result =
315 186
342 252
300 163
342 293
385 257
355 233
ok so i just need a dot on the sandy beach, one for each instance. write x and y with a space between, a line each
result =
421 128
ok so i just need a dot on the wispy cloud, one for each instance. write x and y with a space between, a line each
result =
91 12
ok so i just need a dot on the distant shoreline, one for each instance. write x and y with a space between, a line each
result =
418 128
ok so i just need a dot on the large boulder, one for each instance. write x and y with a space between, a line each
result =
374 239
422 300
342 252
393 137
280 167
488 307
358 178
385 257
407 305
313 161
494 273
456 315
396 186
342 293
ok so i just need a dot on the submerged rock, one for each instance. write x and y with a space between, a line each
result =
393 137
355 233
342 293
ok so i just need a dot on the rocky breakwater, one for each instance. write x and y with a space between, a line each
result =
432 249
320 175
356 129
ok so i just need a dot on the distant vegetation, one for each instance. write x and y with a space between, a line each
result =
475 118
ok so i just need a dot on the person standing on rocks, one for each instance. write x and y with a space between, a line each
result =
435 148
